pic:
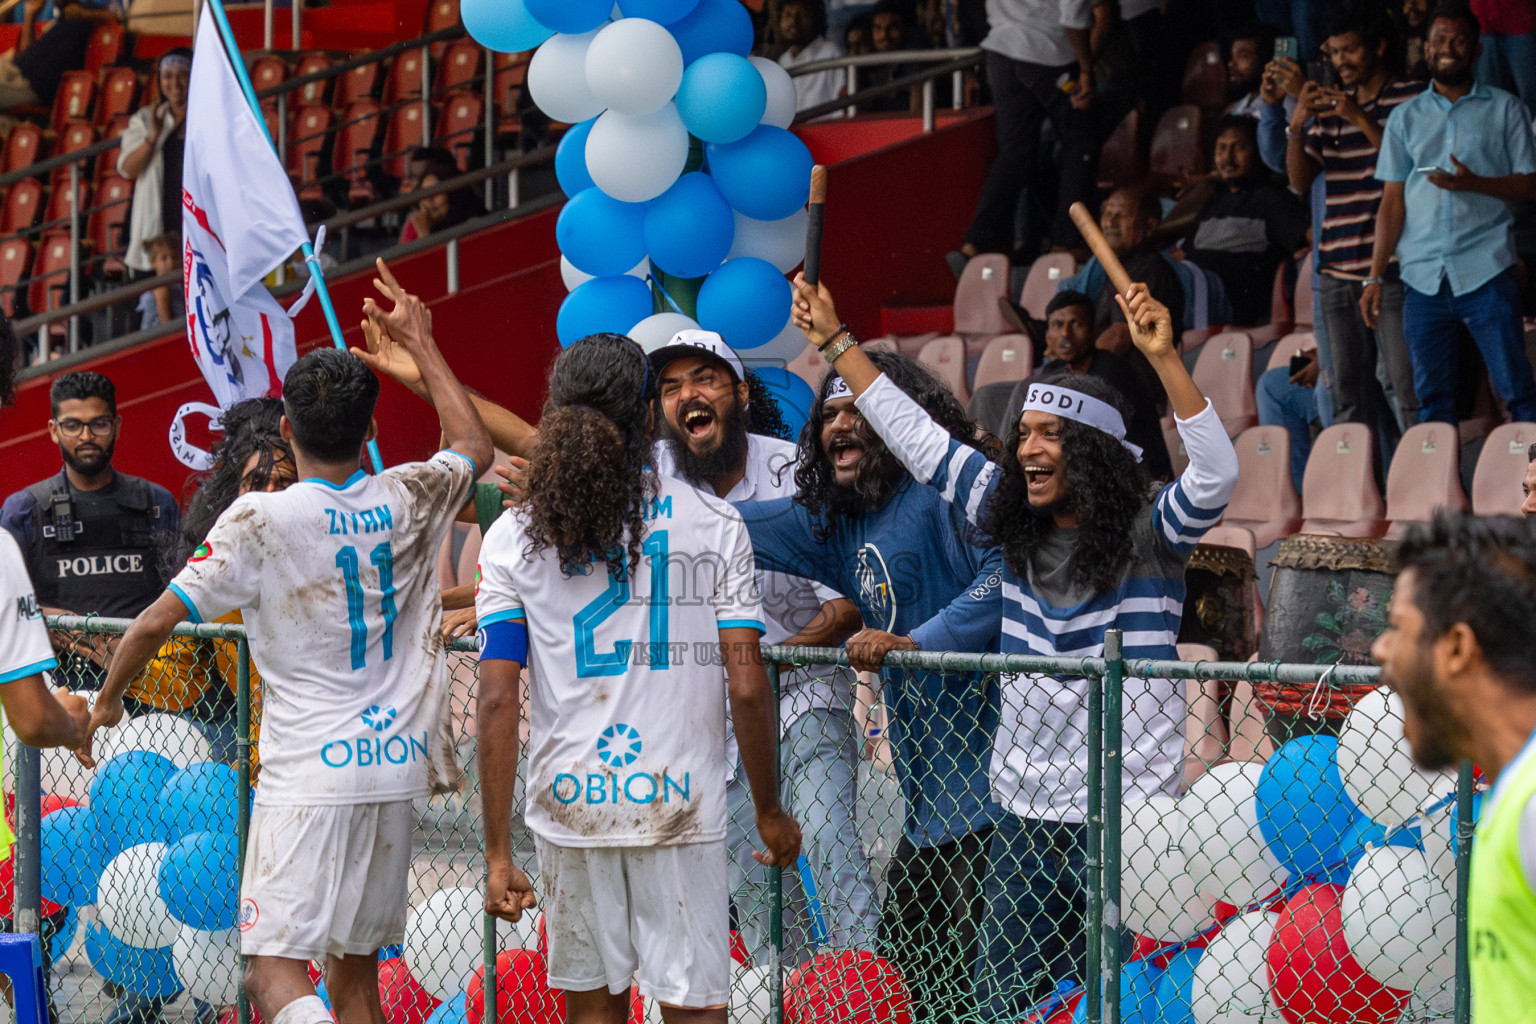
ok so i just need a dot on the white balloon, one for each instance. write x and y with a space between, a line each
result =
574 278
634 66
1231 979
780 111
1227 855
208 964
128 899
751 996
636 157
557 78
1377 766
445 939
780 242
784 349
168 735
1400 920
1157 894
657 329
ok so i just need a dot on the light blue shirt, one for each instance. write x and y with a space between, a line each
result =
1465 238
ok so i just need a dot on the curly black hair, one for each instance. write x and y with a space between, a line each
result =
589 479
763 415
1108 491
881 474
250 428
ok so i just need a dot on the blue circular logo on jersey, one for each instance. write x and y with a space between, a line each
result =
618 746
378 719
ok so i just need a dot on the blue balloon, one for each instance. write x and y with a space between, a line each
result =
689 227
714 26
571 161
1362 832
74 855
149 972
572 16
722 97
766 175
200 798
601 235
792 395
200 880
1303 810
125 799
451 1011
746 302
1174 989
503 25
394 952
662 12
1138 994
613 304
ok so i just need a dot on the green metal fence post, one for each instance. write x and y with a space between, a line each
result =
490 952
1464 787
776 876
243 767
1094 860
1114 679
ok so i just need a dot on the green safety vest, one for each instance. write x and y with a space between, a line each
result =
1502 909
7 837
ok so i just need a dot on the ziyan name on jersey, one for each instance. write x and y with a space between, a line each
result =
373 520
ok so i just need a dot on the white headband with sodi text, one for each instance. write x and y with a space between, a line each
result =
837 389
1074 405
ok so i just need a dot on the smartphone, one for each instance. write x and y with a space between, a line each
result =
1434 170
1289 48
1299 362
1323 73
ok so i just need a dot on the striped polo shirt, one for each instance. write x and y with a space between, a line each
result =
1349 165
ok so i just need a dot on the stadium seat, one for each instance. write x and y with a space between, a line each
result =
1193 337
1501 470
105 47
441 14
984 281
1338 492
1301 308
22 147
403 133
354 145
404 78
459 67
58 198
49 287
1425 476
306 144
1006 357
1120 158
457 124
1280 315
119 88
73 100
511 70
1045 276
1205 79
313 94
22 206
105 228
1177 147
1292 344
361 83
1265 502
945 356
15 258
74 136
267 71
1224 372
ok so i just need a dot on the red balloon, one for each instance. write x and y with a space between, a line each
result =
8 893
738 947
1311 974
636 1006
52 802
404 1000
849 987
523 995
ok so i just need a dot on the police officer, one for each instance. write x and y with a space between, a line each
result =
94 539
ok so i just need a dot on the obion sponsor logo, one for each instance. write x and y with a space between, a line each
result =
618 747
372 751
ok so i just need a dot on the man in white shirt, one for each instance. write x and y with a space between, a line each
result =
336 580
803 25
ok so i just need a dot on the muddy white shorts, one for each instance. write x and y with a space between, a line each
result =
323 880
659 910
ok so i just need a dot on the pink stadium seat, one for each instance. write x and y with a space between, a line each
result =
1425 476
984 281
1224 371
1044 278
945 356
1195 337
1280 315
1292 344
1120 159
1006 357
1338 493
1501 470
1264 504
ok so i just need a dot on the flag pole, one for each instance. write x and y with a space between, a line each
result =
232 50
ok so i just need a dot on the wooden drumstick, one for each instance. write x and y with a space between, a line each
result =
813 225
1089 229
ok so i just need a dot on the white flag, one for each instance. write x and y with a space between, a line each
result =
239 222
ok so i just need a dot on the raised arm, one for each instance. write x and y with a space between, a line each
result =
150 629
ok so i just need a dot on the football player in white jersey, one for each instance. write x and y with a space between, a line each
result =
336 580
627 591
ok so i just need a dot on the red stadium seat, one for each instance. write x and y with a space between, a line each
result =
355 136
266 71
1044 279
945 356
404 78
306 143
459 67
1338 492
441 14
403 133
1205 78
15 258
1501 470
74 136
270 118
361 83
105 228
49 288
457 123
1007 357
73 100
105 47
23 203
1425 477
1177 149
506 85
1265 502
119 87
1120 159
1224 372
312 94
58 198
22 147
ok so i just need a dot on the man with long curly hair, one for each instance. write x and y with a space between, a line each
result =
1084 550
860 524
625 794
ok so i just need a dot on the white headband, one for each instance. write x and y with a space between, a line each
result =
1074 405
176 60
838 389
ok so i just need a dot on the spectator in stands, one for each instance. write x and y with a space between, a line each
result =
1040 68
1528 485
1288 399
150 156
803 26
1128 219
1452 160
1248 53
164 303
1337 133
31 75
856 41
1508 60
888 34
439 211
1246 226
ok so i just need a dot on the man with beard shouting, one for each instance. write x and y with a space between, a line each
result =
719 432
1457 651
1085 549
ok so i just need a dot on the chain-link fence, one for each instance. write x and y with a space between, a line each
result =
1270 852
